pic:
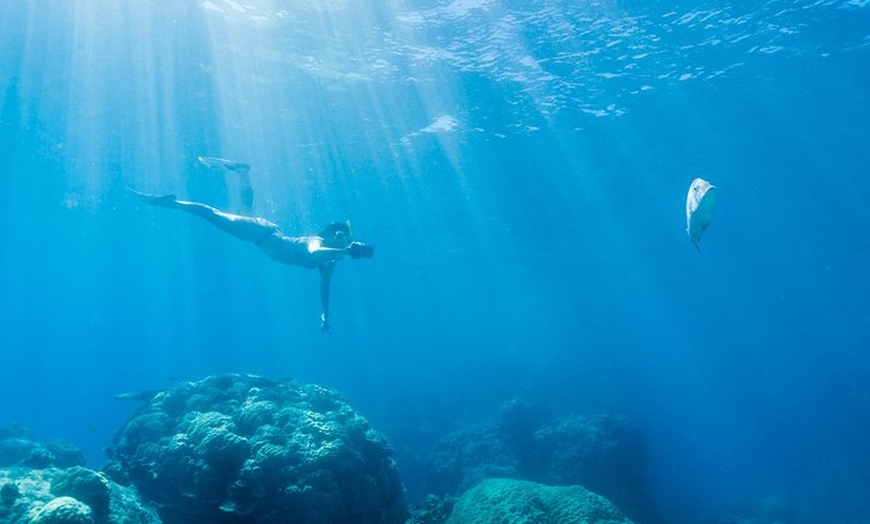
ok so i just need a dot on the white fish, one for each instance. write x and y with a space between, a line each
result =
700 208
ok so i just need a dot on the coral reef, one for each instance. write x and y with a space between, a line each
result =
47 484
17 448
432 510
247 449
63 510
465 457
84 485
9 493
244 449
497 501
769 510
74 495
604 453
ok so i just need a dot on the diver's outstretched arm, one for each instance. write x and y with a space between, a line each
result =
324 255
247 228
325 276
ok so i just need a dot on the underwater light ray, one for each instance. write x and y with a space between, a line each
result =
35 67
270 111
89 92
302 89
123 107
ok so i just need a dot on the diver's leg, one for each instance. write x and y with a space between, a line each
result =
243 227
246 192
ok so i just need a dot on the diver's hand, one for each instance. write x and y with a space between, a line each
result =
325 328
359 250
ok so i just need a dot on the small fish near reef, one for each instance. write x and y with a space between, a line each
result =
700 208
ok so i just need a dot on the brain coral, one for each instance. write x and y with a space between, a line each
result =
63 510
247 449
498 501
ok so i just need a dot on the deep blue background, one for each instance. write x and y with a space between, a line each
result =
532 244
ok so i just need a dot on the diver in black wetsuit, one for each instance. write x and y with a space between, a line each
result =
320 251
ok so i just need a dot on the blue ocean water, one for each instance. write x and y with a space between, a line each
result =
521 168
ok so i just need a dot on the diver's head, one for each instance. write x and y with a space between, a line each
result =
337 235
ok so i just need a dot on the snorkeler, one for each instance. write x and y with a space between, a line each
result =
320 251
